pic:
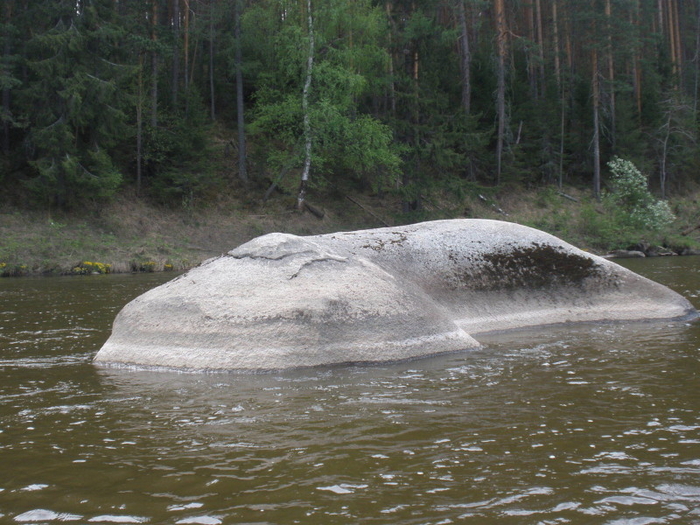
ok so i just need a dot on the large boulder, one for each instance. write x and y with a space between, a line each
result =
282 301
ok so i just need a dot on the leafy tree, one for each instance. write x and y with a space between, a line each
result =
347 142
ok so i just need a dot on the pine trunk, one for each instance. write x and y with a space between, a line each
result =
501 85
671 34
540 45
595 81
154 67
392 84
465 56
671 27
529 15
569 46
611 71
636 66
562 93
212 93
677 41
186 51
697 64
242 153
664 157
555 35
7 49
176 51
139 129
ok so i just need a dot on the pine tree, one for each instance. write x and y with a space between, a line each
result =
8 72
74 101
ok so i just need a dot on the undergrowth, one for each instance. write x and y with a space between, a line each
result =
132 235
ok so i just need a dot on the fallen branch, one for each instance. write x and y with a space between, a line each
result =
277 214
315 211
368 211
274 186
431 203
283 172
485 200
567 196
688 231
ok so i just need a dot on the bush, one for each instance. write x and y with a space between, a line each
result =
631 198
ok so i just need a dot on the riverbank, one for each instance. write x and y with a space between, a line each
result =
132 235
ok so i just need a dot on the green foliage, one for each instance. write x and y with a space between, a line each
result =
385 103
177 159
627 215
347 143
631 198
359 148
75 106
604 230
92 175
629 185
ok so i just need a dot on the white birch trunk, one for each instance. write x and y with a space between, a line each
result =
305 109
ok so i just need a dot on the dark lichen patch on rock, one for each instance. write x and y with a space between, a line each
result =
539 266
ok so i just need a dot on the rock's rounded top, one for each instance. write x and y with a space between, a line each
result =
284 301
271 246
482 254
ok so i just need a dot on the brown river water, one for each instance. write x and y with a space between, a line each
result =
576 424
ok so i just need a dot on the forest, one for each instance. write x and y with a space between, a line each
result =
406 97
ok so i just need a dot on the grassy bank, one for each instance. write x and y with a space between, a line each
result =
129 234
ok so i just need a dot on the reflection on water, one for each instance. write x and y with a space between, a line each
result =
585 424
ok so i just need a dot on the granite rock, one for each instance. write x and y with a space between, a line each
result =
282 301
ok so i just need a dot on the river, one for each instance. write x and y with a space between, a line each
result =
580 424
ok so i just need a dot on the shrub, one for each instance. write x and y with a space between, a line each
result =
639 209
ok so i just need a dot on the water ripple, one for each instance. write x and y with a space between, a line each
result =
568 425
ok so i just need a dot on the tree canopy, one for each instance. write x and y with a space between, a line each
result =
410 96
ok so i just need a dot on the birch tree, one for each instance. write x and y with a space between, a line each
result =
308 139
